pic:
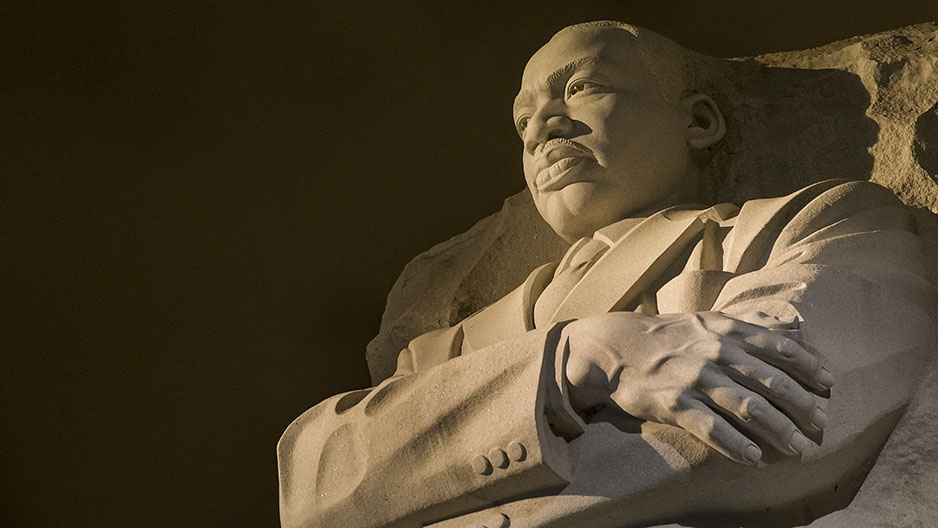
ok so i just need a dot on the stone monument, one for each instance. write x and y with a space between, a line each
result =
728 318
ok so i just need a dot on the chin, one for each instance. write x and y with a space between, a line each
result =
575 218
572 227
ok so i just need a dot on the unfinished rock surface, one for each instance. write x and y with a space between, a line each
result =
865 108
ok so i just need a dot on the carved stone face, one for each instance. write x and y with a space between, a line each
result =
600 143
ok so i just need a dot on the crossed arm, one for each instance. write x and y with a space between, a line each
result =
843 278
728 382
405 453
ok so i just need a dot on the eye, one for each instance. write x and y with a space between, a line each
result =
521 125
581 85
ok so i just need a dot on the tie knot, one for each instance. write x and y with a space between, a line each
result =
584 252
579 259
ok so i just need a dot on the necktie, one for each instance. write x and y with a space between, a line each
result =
582 256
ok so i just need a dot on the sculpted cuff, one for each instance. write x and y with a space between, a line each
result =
563 420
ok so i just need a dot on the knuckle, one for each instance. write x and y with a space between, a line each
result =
707 425
672 402
788 352
696 421
709 348
793 351
751 409
780 386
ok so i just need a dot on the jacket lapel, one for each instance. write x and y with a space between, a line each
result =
636 261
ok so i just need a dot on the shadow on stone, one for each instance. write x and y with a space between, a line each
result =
925 147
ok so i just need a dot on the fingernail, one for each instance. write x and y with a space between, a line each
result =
798 442
826 379
819 421
752 454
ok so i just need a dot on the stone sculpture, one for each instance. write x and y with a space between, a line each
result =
717 365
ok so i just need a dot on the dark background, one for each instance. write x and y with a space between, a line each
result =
203 209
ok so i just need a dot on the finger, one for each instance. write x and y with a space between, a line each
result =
712 429
790 328
769 321
778 388
789 356
754 415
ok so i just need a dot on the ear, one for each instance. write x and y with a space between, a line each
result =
707 125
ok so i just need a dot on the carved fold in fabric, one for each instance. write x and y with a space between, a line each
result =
578 260
842 258
839 256
337 453
637 261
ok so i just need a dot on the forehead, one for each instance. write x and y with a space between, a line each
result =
614 48
612 52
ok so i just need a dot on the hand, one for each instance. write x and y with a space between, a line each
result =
726 381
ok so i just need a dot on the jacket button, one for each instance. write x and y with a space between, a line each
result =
499 520
516 451
499 458
481 465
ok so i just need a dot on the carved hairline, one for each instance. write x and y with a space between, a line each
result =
675 69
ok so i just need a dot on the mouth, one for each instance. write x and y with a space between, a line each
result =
558 174
555 167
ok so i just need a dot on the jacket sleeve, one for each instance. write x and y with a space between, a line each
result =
845 260
480 428
848 264
857 234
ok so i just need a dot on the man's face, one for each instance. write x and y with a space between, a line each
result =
600 144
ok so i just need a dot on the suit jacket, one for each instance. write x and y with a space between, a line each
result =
474 428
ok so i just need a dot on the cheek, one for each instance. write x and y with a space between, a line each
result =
617 119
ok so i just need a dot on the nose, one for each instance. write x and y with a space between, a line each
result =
549 122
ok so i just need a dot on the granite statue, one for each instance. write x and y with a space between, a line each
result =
685 361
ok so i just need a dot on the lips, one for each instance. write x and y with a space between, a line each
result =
556 163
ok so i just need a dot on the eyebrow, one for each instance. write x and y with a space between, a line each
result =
525 96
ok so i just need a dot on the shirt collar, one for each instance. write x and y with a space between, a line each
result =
613 232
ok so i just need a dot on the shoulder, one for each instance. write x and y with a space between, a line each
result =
851 206
847 196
